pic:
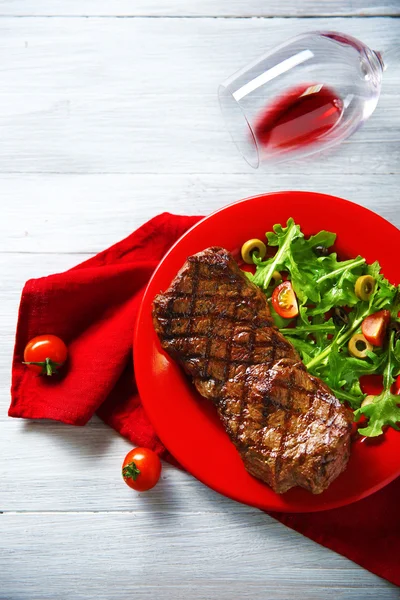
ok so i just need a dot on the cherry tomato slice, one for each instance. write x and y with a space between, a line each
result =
141 469
374 327
45 354
284 300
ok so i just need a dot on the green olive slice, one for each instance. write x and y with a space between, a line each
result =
364 287
359 346
251 247
276 278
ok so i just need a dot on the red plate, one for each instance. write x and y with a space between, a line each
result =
188 424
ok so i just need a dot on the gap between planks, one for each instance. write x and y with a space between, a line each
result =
322 15
194 17
122 511
187 174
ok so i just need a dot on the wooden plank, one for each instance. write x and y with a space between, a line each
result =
196 556
196 8
86 213
90 476
139 96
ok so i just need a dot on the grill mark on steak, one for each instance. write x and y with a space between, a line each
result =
171 336
209 337
169 312
195 284
330 415
287 426
287 419
229 343
246 381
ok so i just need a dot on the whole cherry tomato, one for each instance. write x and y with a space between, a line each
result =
45 354
284 300
397 385
141 469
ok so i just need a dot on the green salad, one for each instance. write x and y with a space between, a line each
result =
341 316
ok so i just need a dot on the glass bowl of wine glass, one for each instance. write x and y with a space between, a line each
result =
304 96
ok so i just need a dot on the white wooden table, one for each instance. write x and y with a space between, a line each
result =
108 115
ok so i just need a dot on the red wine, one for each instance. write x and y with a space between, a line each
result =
300 117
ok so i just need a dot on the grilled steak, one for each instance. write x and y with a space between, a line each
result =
287 426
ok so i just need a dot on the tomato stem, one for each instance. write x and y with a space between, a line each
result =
49 367
130 471
49 370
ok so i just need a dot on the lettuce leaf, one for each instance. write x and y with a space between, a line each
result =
385 409
323 283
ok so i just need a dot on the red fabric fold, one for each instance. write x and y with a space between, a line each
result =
93 307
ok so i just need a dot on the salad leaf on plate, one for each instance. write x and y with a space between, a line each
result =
385 409
323 284
282 237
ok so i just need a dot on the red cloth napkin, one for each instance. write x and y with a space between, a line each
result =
93 308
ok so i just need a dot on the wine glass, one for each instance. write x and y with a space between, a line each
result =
306 95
